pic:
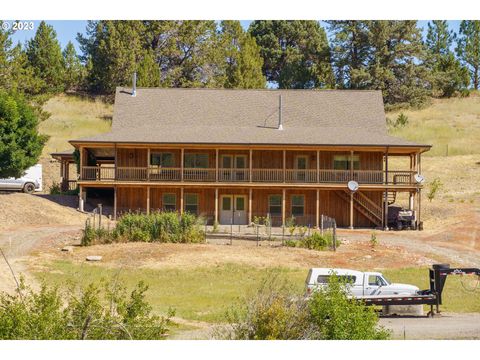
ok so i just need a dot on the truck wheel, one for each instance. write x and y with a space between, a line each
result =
29 188
399 226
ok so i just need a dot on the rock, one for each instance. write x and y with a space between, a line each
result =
68 248
368 256
94 258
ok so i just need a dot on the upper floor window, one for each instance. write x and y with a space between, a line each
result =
163 159
193 160
342 162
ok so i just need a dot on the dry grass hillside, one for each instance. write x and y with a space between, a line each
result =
71 117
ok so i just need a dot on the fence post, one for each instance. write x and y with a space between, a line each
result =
100 215
257 235
334 235
321 226
283 235
231 229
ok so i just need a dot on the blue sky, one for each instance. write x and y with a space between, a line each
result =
67 30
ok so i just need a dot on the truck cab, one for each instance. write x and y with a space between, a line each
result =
359 284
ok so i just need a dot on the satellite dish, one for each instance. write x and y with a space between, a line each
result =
419 178
352 186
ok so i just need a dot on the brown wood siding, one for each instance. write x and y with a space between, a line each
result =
268 159
368 160
132 157
156 197
132 198
311 156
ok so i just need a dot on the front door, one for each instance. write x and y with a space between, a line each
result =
233 210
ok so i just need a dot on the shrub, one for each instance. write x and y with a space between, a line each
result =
86 313
156 227
435 186
275 313
55 189
373 240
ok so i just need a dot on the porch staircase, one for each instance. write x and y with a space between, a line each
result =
366 206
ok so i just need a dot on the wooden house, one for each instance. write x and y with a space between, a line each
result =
232 155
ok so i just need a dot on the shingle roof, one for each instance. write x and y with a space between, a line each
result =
310 117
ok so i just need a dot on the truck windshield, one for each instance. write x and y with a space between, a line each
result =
386 280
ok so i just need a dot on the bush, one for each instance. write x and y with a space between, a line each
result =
435 186
315 241
156 227
86 313
274 314
55 189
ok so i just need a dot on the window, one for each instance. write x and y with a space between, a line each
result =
226 203
275 205
301 162
347 279
375 280
298 205
239 203
196 160
163 159
191 203
342 162
169 202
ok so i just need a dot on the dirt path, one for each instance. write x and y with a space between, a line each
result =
18 244
447 326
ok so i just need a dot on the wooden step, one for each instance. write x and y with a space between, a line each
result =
373 213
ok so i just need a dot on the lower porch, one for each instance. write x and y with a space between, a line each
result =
244 206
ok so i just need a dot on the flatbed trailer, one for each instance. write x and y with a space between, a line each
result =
433 296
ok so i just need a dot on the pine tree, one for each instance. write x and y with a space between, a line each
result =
45 56
20 142
447 74
242 60
468 48
295 54
74 70
350 50
395 65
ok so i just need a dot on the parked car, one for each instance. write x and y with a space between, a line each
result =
30 182
400 218
360 284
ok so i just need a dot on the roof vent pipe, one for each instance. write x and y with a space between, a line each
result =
134 84
280 120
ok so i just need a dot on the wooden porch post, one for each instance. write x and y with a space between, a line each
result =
215 221
148 164
318 165
148 200
419 170
115 202
283 206
250 164
182 159
351 164
216 165
181 199
284 165
351 210
115 162
80 198
317 210
385 221
249 206
80 150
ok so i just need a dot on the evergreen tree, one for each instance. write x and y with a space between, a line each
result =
295 54
350 50
468 48
447 74
74 70
20 142
395 63
243 63
45 56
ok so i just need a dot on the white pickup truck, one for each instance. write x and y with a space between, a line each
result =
360 284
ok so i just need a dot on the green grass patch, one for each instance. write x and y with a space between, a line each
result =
206 293
203 293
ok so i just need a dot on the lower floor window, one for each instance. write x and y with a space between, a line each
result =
191 203
169 202
275 205
298 205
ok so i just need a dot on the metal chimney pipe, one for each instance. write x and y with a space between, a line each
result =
280 120
134 84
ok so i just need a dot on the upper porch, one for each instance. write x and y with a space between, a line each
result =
372 167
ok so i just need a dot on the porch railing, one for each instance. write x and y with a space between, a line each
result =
153 173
